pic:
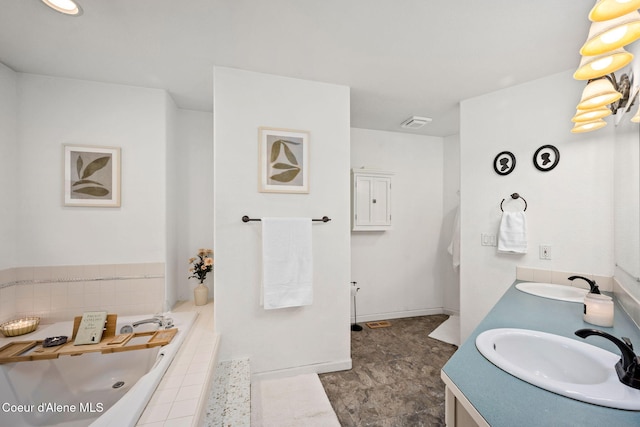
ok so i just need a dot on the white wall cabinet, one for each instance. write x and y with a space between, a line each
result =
370 200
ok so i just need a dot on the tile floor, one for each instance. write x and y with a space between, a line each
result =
395 379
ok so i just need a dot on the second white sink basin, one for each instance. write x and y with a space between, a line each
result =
553 291
559 364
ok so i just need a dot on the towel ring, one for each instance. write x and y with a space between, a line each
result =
515 196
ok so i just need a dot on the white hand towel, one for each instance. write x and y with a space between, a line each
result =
287 262
512 237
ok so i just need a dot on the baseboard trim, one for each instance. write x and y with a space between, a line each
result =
400 314
318 368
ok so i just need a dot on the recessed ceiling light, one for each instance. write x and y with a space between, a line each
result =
68 7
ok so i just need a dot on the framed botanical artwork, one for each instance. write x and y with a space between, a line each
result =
91 176
283 161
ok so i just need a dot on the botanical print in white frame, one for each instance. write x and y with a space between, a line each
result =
283 160
91 176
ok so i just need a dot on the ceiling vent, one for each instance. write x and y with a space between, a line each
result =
415 122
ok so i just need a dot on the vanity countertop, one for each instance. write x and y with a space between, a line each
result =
504 400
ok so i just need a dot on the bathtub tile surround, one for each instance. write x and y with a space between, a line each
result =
182 395
58 293
229 402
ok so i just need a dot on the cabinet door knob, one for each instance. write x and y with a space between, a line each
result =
374 200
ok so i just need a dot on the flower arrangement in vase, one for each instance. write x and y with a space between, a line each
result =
201 265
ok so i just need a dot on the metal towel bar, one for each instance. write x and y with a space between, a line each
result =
323 219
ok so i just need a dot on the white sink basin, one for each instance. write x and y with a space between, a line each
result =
558 364
552 291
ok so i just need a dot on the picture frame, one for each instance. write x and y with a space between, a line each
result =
91 176
283 161
546 158
504 163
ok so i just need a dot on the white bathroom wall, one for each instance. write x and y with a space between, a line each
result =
451 202
570 207
167 172
55 111
194 160
400 271
313 338
8 166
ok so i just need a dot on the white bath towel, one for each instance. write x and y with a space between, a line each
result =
454 246
512 236
287 262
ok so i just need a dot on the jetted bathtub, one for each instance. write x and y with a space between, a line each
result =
90 389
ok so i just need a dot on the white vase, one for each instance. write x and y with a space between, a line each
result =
200 294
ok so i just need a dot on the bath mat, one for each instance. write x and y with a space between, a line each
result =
291 402
376 325
448 331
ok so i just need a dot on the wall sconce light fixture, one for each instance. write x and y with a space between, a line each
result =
589 115
601 98
68 7
582 127
592 67
610 9
614 24
605 36
598 93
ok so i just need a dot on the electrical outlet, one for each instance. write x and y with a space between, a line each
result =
545 251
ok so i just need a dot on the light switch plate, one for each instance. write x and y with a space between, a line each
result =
488 239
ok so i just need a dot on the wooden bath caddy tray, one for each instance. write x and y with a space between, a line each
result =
22 351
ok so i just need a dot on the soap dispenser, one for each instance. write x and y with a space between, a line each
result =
598 308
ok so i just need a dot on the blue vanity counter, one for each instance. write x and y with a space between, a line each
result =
504 400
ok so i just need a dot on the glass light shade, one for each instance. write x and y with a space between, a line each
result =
611 9
68 7
589 115
609 35
598 93
588 126
592 67
636 117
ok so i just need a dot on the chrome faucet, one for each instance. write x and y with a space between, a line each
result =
592 284
628 367
158 320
